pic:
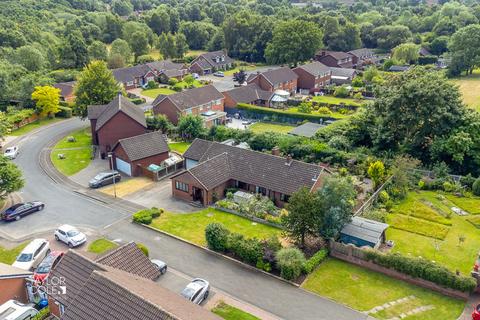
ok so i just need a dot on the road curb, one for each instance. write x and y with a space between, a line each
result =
219 254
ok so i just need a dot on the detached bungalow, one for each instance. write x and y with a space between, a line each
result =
363 56
210 62
166 69
134 77
337 59
277 79
250 93
343 75
206 101
212 167
312 76
67 93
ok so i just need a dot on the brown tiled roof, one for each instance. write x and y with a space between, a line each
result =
130 259
257 168
315 68
116 295
130 73
144 145
210 57
276 76
165 65
249 93
338 55
119 104
191 97
66 88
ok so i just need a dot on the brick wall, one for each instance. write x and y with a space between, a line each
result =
13 289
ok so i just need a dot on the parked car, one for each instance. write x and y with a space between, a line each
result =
70 236
104 179
476 313
32 254
247 122
195 76
19 210
197 291
11 152
160 265
219 74
47 264
14 310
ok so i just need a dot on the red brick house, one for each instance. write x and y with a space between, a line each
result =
67 92
117 120
206 101
13 283
166 69
134 77
337 59
210 62
362 57
134 153
251 94
313 76
277 79
212 167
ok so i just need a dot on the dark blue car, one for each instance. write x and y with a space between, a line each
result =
16 212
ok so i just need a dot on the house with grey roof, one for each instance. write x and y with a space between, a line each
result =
342 75
212 168
209 62
362 57
251 94
116 120
312 76
133 155
206 102
337 59
364 232
275 79
134 77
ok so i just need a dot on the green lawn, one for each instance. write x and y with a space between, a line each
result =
180 147
77 154
228 312
34 125
363 290
191 226
261 127
153 93
335 100
469 89
244 68
9 256
450 251
101 245
332 114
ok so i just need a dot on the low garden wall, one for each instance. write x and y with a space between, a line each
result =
357 256
253 218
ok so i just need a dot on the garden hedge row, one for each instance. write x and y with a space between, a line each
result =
423 269
147 215
249 108
312 263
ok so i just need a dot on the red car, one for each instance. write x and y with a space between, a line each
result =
48 263
476 313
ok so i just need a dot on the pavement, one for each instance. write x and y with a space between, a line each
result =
101 215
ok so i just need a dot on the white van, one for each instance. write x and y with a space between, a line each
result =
32 255
14 310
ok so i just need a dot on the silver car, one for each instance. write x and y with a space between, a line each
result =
197 291
160 265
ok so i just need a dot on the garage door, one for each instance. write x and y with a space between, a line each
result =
123 166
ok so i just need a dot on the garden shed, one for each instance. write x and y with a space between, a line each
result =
364 232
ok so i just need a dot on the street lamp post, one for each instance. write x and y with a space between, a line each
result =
110 156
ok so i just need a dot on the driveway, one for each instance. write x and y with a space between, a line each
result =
96 166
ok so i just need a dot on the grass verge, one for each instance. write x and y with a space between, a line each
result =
77 154
101 245
34 125
8 256
228 312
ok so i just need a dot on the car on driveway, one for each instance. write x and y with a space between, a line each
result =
19 210
197 290
160 265
70 236
11 152
104 179
47 264
32 254
219 74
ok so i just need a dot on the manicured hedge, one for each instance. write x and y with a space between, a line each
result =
217 236
147 215
249 108
423 269
312 263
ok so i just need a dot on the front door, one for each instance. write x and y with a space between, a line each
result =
197 194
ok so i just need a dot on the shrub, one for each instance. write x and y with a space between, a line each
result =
341 92
312 263
152 85
476 187
358 96
137 101
217 236
248 250
144 249
177 87
290 261
146 216
42 314
305 107
64 112
172 81
383 196
467 181
357 82
324 110
448 187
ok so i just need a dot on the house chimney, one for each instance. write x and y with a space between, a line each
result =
276 151
288 160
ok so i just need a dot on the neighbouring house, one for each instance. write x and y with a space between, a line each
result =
276 79
117 285
312 76
336 59
250 93
166 69
343 75
362 57
364 232
209 62
67 92
212 167
117 120
134 154
134 77
308 129
423 52
399 68
13 283
205 101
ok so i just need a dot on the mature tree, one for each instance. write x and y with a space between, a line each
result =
122 48
47 100
166 45
97 51
341 38
159 21
95 85
159 122
74 51
406 53
12 38
217 12
401 169
5 125
217 42
293 41
181 45
439 45
112 28
29 57
197 33
139 44
376 171
303 215
191 127
389 37
122 7
464 49
10 177
115 61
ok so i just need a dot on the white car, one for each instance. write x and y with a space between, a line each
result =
196 291
11 152
160 265
32 254
14 310
70 236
